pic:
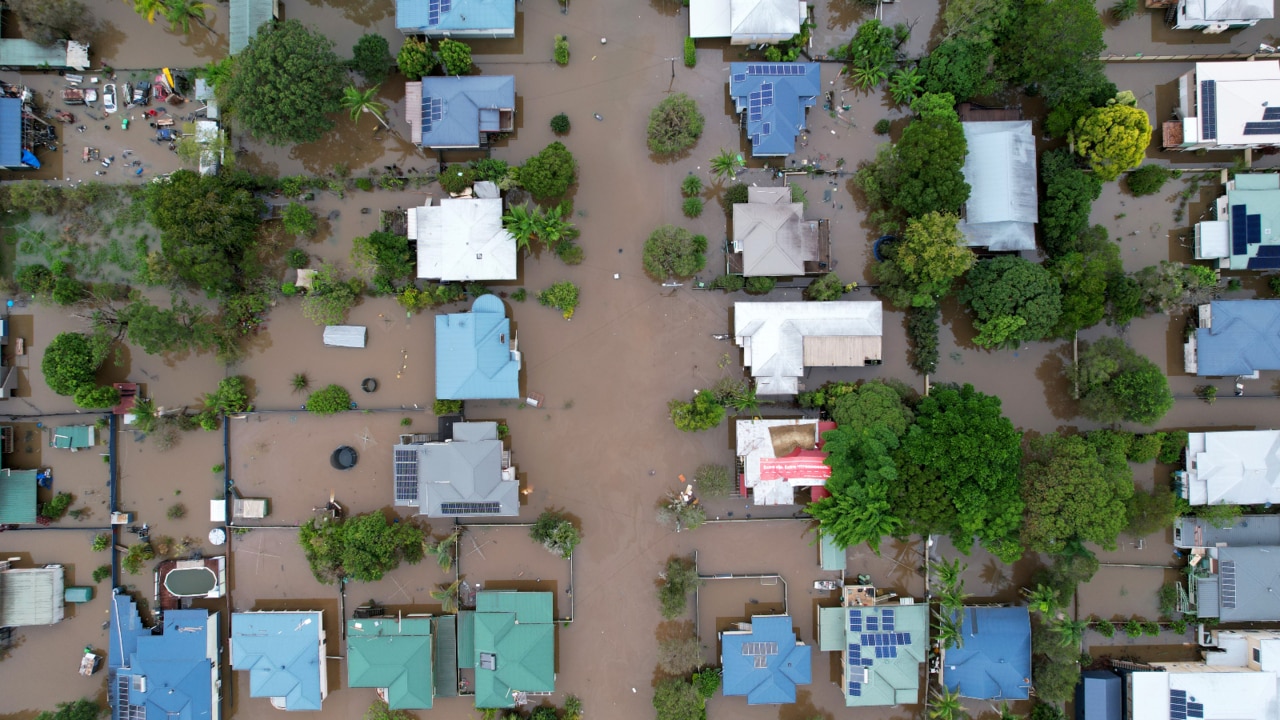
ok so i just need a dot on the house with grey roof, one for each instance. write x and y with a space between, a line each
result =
1190 532
477 355
771 237
468 474
459 112
780 339
1234 467
1000 167
773 100
244 19
1234 337
31 596
1233 584
463 240
747 22
457 18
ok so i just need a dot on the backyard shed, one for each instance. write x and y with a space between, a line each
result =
31 596
246 17
351 336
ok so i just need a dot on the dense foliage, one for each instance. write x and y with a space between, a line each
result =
71 362
361 548
1068 196
1074 489
386 257
415 58
1117 384
549 174
562 296
959 67
678 581
1113 139
331 296
1012 300
455 57
675 125
871 51
1148 179
673 251
1085 274
329 400
703 413
48 21
922 266
556 533
371 57
1053 45
82 709
862 472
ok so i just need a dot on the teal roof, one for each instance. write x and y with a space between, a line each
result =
1253 218
466 639
17 496
474 360
394 654
885 646
457 18
281 651
831 554
74 437
515 646
246 16
446 655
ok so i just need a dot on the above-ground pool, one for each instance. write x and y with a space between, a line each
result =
190 582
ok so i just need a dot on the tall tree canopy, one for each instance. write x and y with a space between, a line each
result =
1074 490
285 84
862 471
960 67
1069 193
1085 274
1009 288
1113 139
1117 384
1053 44
873 403
71 361
363 547
921 267
549 173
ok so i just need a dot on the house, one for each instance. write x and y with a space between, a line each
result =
780 339
457 18
16 53
993 661
15 144
31 596
510 643
1236 678
1215 16
1232 584
1236 467
765 662
772 99
882 646
466 475
285 655
747 22
171 674
245 17
73 437
771 237
1226 105
1235 337
476 354
780 456
459 112
1099 696
1000 167
1246 235
1191 532
18 496
463 240
393 655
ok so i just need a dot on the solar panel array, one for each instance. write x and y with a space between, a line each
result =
758 101
432 112
876 641
1180 708
1227 583
759 648
1208 110
127 711
406 475
791 69
1271 113
1239 233
435 8
1268 127
470 508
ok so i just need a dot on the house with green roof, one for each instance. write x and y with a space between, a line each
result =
73 437
17 496
393 655
882 647
509 641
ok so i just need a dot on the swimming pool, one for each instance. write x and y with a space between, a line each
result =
191 582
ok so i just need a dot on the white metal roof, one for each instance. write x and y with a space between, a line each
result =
772 334
1243 91
1000 168
463 239
1239 467
1224 11
755 443
746 20
352 336
1244 694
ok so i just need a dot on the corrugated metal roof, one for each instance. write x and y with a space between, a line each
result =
466 639
31 596
474 360
17 496
175 663
460 100
515 631
1242 337
15 52
766 663
1098 696
73 437
831 629
10 131
350 336
246 16
994 663
1249 575
884 677
774 97
446 655
281 651
529 607
832 555
1249 530
1000 168
466 470
772 335
392 653
462 18
463 240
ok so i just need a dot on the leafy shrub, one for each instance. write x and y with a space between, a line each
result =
34 279
713 481
556 533
883 126
297 258
68 291
520 295
691 185
96 397
560 124
371 58
329 400
455 57
1124 9
1104 628
674 251
136 556
562 296
735 194
549 173
703 413
297 219
759 285
102 572
1133 628
690 53
288 289
679 579
570 253
1175 441
331 297
675 125
101 541
455 178
365 184
826 288
1147 180
1145 448
922 329
415 59
729 283
446 407
562 50
176 511
1273 283
362 548
692 207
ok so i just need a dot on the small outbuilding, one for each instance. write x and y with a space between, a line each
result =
349 336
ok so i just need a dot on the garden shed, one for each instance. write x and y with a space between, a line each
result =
350 336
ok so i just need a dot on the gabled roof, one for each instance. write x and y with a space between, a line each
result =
1243 588
1246 234
780 339
774 97
1098 696
883 650
1001 212
746 21
772 231
17 496
445 112
175 670
282 652
474 359
392 653
994 661
1236 467
514 646
1154 695
1242 336
462 239
31 596
1248 531
462 477
245 17
457 18
766 663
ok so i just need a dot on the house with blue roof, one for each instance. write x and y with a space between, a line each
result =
882 648
993 661
457 18
476 355
284 654
1234 337
459 112
772 99
765 662
1246 233
168 672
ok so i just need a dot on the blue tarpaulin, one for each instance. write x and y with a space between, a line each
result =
29 158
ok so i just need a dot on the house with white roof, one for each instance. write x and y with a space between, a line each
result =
1237 467
1214 16
780 339
463 240
1237 678
747 22
1228 105
1002 210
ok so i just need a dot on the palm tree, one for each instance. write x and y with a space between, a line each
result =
553 228
448 596
952 597
180 13
948 572
1043 600
444 550
362 101
522 224
148 8
1070 632
949 629
946 706
726 164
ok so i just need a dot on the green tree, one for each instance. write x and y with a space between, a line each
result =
48 21
674 252
71 361
1073 490
285 83
825 288
455 57
96 397
675 125
181 13
329 400
298 219
977 21
870 52
946 705
873 403
1150 512
1084 275
386 257
35 279
379 710
1053 44
1148 179
331 297
371 57
1011 287
358 102
523 224
1117 384
549 174
82 709
905 84
1169 285
415 59
1068 196
1113 139
726 164
703 413
920 269
231 397
678 699
361 548
148 9
679 579
680 656
556 533
960 67
862 470
562 296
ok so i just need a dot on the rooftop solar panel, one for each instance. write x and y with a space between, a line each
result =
1262 128
1254 229
1264 263
1208 109
1271 113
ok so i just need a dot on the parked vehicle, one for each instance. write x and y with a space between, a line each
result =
90 96
142 93
72 96
127 98
109 98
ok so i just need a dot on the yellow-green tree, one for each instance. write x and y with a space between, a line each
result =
1113 139
921 268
